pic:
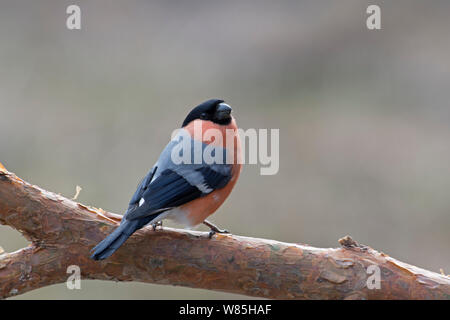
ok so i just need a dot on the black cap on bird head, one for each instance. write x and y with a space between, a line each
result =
214 110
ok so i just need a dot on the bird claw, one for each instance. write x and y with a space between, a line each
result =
156 224
214 231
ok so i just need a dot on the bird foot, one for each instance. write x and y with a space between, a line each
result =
214 229
213 232
156 224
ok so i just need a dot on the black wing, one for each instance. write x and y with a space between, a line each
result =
172 189
141 188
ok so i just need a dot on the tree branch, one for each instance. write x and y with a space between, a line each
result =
62 232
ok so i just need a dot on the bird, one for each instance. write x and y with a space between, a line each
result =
185 191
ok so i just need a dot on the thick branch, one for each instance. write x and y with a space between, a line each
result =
62 233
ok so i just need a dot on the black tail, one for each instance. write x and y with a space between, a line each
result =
112 242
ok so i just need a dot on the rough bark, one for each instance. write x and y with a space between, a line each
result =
63 231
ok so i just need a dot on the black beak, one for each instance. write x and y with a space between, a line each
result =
223 112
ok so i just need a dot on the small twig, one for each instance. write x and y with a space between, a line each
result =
77 192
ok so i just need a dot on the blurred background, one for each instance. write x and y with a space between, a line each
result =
363 115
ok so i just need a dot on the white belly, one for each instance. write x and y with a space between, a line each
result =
177 215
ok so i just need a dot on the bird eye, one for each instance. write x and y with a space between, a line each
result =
203 116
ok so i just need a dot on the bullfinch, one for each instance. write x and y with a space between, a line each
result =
193 176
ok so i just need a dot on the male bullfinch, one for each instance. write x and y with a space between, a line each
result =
185 191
